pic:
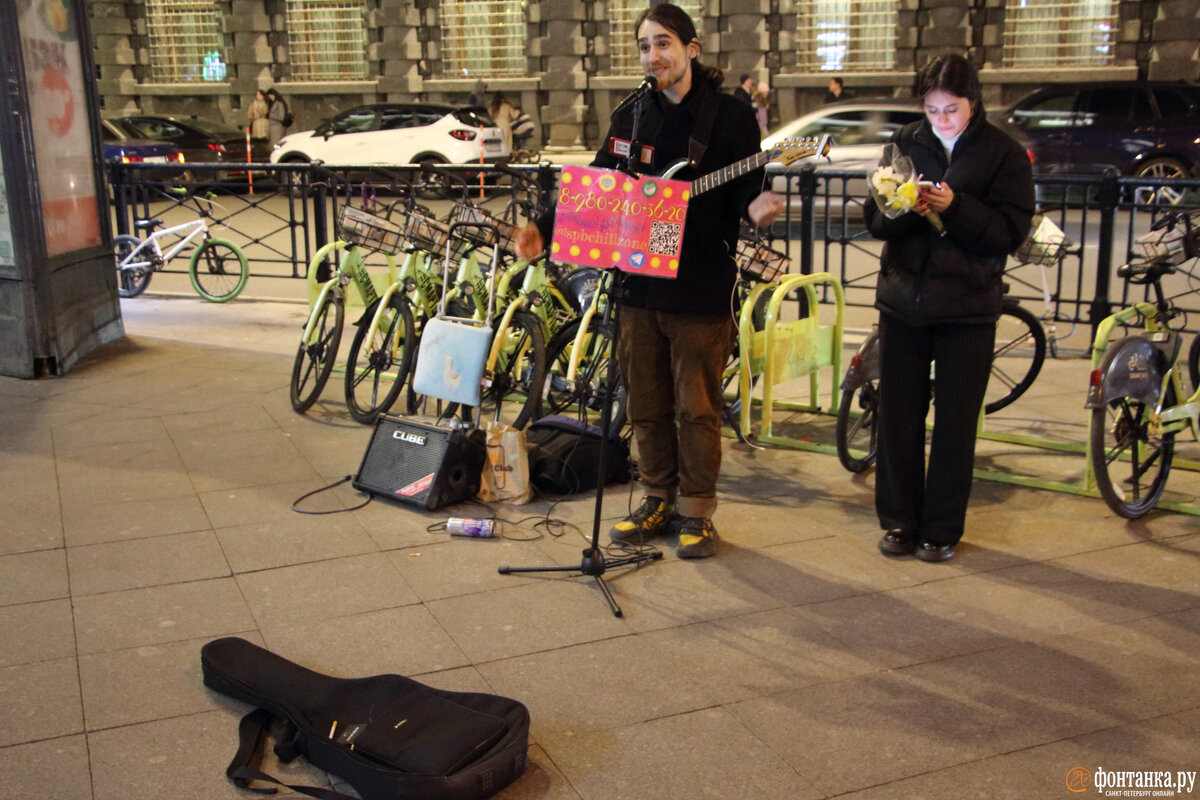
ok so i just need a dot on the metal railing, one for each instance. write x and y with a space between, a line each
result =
1101 215
291 213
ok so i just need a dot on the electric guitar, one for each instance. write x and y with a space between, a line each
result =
786 152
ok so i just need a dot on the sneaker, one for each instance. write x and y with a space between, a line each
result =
697 538
647 521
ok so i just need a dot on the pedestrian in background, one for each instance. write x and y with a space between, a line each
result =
744 91
277 115
504 114
259 125
939 294
837 91
475 98
761 102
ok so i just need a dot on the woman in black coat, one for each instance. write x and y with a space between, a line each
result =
939 296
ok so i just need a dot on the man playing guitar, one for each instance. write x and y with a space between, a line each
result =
675 335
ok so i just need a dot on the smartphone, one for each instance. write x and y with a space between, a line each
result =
926 185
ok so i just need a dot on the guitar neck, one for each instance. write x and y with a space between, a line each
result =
725 174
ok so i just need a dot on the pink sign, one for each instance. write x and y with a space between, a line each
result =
610 219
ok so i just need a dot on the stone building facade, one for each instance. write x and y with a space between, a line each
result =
569 87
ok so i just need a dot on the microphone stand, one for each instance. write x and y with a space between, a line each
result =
594 562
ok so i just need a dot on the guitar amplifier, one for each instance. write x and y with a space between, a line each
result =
421 464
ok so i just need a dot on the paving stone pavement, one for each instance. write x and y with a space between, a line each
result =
147 510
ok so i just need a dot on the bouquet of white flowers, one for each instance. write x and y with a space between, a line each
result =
894 186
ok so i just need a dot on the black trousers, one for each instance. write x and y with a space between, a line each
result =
932 504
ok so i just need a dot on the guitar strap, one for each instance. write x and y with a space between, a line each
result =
698 142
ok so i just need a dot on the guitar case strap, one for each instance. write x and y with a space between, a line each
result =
243 768
698 142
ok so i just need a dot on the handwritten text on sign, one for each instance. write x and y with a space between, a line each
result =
610 219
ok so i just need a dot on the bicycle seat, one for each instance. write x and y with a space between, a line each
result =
1145 271
147 224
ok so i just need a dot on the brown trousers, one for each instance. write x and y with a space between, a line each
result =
671 365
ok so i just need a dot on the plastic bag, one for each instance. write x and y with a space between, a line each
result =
506 469
893 186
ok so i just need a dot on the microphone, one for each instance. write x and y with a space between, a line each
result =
648 84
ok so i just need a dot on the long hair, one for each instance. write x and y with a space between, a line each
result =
953 74
677 21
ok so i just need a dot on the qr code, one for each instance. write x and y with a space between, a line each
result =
664 238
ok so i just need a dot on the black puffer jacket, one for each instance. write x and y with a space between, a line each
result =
928 279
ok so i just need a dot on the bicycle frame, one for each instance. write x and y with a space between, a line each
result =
536 294
422 285
1184 414
351 269
596 306
197 227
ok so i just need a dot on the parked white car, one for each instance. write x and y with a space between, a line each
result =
859 130
398 133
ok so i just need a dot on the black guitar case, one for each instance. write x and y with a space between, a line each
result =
390 737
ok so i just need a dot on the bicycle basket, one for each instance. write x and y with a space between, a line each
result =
757 262
503 237
370 231
1175 243
1045 243
424 232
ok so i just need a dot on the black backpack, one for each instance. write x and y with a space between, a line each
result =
564 456
388 736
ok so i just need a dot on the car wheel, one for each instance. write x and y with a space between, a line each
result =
1158 169
435 186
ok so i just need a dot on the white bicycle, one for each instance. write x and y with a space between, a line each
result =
217 267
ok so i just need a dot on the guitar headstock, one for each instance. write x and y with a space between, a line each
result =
795 148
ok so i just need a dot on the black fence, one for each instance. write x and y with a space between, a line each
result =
281 214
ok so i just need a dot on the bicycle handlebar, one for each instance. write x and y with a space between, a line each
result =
1142 272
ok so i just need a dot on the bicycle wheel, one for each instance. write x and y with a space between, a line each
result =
377 368
513 392
1193 362
133 276
585 396
314 359
1017 359
218 270
856 436
1130 464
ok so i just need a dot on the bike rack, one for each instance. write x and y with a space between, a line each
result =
782 351
1086 487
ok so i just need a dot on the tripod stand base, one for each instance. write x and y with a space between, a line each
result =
594 564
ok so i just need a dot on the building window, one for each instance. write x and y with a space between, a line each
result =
326 40
622 43
838 35
1059 33
185 41
483 38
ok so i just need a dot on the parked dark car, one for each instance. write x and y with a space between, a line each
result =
200 140
119 146
1140 128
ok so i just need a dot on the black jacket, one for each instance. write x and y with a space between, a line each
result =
929 279
706 268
